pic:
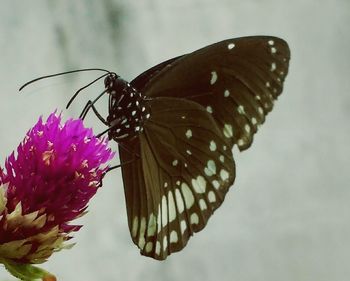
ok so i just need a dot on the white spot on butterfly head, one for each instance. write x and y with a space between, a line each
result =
226 93
228 131
273 50
271 42
230 46
209 109
188 152
175 162
214 77
188 133
212 146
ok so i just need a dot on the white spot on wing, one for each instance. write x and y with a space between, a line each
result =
194 219
135 224
188 133
165 243
175 162
179 201
226 93
228 131
273 66
152 226
202 204
211 197
187 194
210 169
214 77
240 109
216 184
209 109
149 247
199 184
164 211
158 248
224 174
173 237
230 46
212 146
171 206
183 226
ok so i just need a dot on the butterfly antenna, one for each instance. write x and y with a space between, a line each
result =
61 73
88 85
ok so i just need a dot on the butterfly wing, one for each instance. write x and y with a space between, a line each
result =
143 79
236 80
182 175
201 105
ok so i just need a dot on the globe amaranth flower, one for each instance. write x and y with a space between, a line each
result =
45 185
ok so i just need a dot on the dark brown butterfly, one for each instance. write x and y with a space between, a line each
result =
176 125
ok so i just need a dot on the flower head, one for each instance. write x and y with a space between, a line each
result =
45 185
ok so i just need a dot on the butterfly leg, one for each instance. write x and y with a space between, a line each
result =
99 116
90 104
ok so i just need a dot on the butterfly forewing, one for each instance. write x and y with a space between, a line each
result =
185 169
236 80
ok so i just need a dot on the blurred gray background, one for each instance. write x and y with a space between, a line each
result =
287 217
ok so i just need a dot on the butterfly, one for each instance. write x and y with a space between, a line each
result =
176 125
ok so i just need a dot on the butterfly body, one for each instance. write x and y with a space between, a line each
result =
127 109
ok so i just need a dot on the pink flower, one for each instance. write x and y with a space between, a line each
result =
47 184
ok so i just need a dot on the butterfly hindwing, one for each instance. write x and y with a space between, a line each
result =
236 80
177 182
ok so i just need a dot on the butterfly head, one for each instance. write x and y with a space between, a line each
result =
113 82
